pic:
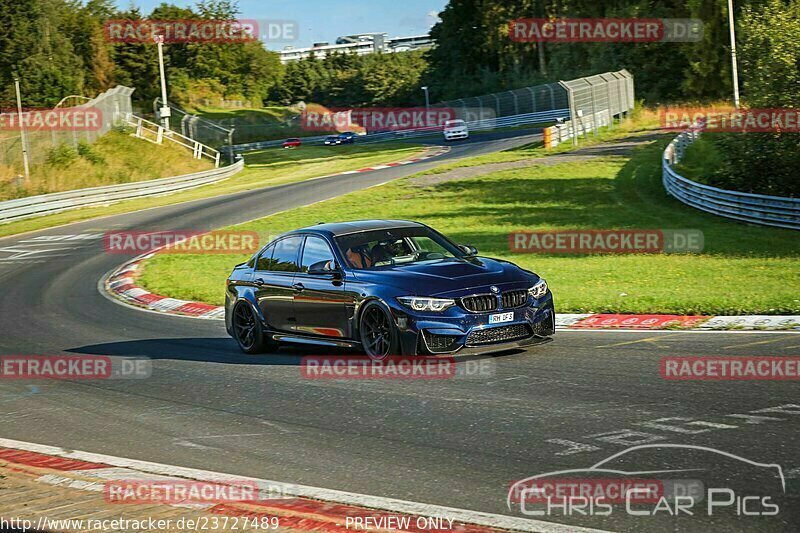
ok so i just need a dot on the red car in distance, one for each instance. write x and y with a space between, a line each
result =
292 143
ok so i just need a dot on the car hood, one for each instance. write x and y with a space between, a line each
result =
449 277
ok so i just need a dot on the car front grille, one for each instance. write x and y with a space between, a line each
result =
509 333
479 304
512 299
488 302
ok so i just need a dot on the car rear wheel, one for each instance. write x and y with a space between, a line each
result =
379 336
248 331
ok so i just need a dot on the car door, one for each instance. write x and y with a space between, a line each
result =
319 298
274 277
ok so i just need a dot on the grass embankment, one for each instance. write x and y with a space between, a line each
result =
743 269
113 159
261 124
273 166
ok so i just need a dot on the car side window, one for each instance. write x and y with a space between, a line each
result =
265 259
315 252
284 258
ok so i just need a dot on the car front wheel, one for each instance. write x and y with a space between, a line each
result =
248 331
379 335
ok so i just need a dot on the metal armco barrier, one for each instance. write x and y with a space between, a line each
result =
13 210
746 207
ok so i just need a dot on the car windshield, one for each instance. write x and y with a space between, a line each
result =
454 123
395 247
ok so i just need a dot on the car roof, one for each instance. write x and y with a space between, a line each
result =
335 229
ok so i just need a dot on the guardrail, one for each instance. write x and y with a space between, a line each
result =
480 125
760 209
13 210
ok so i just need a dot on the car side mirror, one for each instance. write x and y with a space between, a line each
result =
325 268
467 249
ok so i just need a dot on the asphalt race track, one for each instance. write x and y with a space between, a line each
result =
459 442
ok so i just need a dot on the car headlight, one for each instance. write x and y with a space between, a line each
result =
418 303
538 290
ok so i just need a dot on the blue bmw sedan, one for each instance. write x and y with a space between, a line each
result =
387 287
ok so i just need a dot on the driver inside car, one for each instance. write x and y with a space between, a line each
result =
380 254
358 257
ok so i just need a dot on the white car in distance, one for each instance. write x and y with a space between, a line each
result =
455 129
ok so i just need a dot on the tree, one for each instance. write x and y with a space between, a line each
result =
765 163
34 47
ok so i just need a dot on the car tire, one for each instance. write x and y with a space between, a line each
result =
378 333
248 330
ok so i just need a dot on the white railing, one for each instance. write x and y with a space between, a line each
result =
155 133
572 129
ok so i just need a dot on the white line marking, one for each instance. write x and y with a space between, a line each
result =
347 498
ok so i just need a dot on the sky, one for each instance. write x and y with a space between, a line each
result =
325 20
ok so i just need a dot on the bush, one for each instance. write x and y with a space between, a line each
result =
123 128
62 156
759 163
86 151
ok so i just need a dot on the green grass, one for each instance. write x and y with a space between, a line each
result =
270 114
274 166
113 159
258 124
642 122
742 270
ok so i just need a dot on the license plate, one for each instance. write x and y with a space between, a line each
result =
500 318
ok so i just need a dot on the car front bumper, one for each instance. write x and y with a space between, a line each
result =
461 332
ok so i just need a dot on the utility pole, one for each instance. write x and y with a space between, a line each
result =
427 99
165 110
23 136
733 56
